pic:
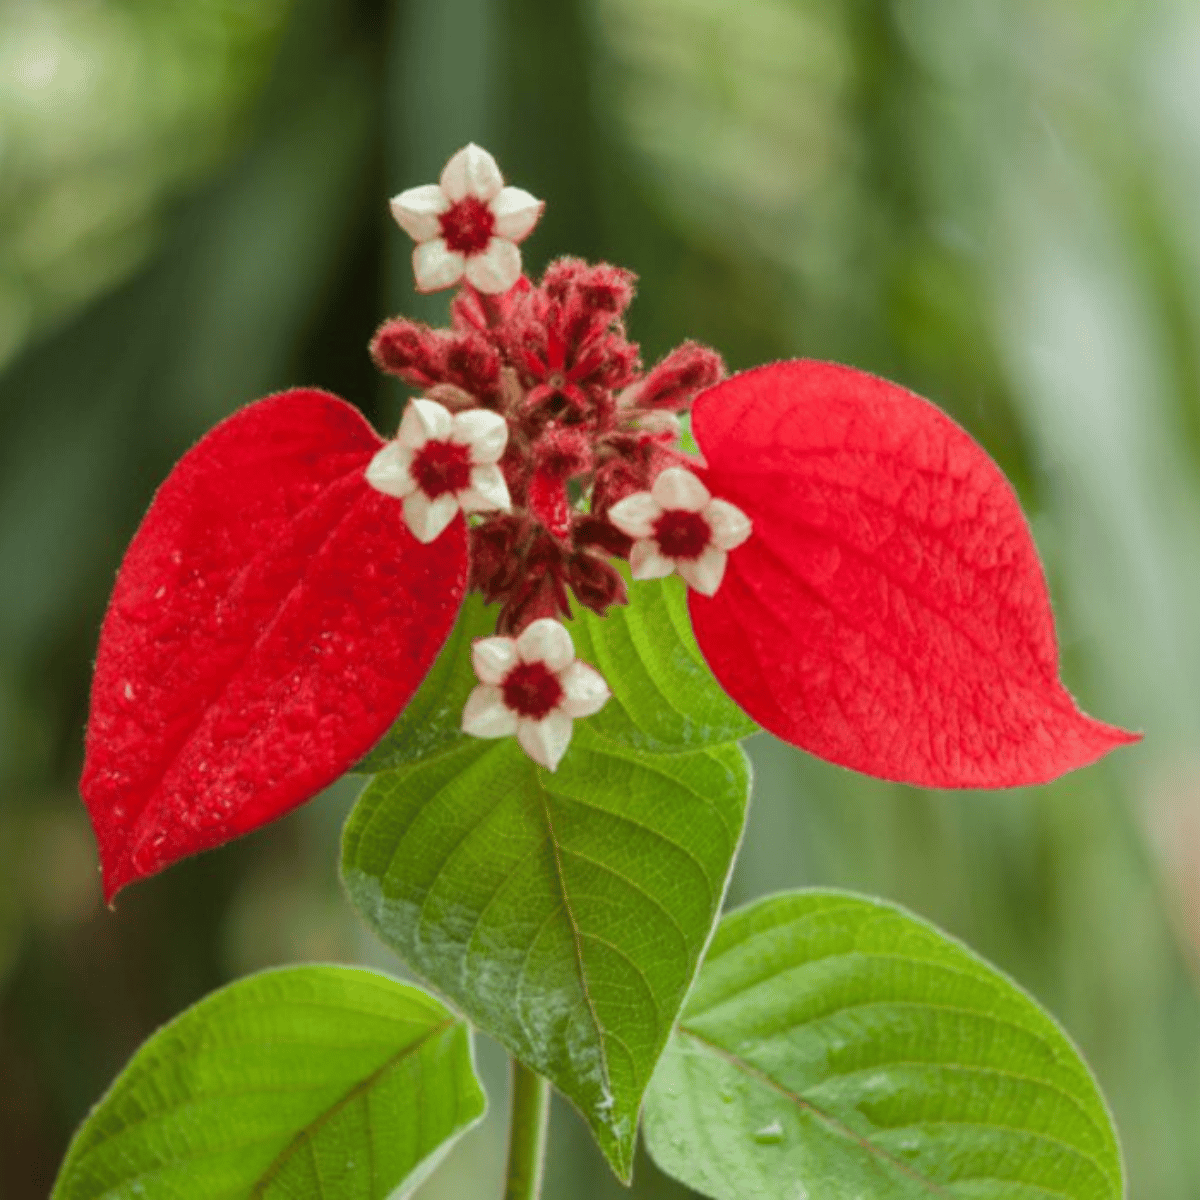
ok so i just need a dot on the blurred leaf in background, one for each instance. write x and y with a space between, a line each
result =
991 202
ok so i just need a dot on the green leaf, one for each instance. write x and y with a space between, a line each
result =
563 913
326 1082
665 699
839 1047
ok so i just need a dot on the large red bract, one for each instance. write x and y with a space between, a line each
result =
271 618
889 612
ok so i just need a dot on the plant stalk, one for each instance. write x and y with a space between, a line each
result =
528 1119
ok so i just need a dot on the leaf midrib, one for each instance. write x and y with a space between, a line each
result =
838 1127
576 933
307 1134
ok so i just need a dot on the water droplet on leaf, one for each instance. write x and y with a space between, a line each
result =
769 1135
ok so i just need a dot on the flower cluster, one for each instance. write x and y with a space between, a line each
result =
861 579
590 460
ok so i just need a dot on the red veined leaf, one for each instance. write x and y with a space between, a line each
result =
272 616
889 612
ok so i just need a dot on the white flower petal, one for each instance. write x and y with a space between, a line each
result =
436 266
584 690
427 518
547 641
488 491
516 213
424 420
471 172
730 526
646 561
496 269
704 573
545 741
484 431
493 658
417 211
388 471
486 715
677 488
635 515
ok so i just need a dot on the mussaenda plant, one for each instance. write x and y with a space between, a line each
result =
541 626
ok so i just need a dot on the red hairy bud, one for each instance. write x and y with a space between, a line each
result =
614 481
599 288
408 350
603 534
495 562
595 583
674 382
541 591
423 357
563 451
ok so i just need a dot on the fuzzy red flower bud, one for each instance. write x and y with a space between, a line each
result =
595 288
595 584
674 381
595 531
409 350
563 452
541 592
496 564
423 357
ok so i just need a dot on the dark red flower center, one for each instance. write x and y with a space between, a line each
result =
531 690
467 225
682 534
441 467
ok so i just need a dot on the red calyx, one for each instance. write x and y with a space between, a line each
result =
441 467
468 225
682 534
554 360
531 690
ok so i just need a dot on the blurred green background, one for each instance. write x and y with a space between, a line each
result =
991 201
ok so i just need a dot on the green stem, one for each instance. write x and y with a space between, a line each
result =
527 1133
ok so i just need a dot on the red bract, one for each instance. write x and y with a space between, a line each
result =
889 613
271 618
863 581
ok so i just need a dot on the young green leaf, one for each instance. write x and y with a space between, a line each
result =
665 698
839 1047
564 913
329 1082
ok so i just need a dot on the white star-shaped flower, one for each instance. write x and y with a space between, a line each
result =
535 687
440 463
678 526
467 224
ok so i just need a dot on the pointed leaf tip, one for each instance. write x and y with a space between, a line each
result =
271 617
889 613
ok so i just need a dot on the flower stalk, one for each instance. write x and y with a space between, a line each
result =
529 1117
